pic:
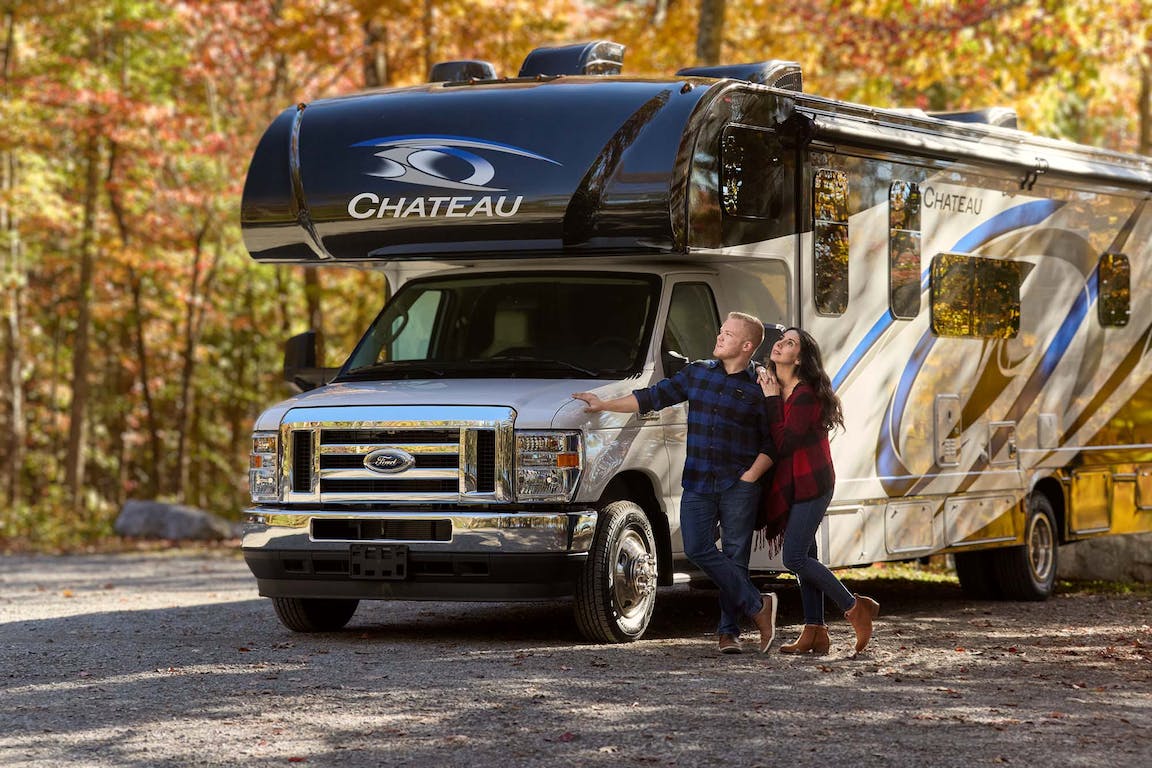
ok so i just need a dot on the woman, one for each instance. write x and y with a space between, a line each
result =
802 409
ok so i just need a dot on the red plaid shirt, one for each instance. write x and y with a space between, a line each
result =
803 468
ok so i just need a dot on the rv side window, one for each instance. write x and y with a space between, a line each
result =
830 228
976 297
751 173
1114 278
904 249
692 322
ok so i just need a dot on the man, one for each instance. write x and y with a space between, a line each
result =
729 449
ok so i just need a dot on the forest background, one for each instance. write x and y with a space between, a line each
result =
137 339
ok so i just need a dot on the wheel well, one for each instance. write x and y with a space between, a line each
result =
1052 490
635 487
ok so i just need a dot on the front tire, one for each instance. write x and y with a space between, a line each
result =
616 591
314 614
1029 572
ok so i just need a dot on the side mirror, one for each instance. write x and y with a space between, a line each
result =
300 368
673 362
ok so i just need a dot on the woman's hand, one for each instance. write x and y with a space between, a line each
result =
768 383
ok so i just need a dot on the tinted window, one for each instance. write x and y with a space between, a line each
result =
830 225
975 296
904 249
692 322
1114 275
751 173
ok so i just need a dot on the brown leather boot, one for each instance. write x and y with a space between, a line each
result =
860 616
814 638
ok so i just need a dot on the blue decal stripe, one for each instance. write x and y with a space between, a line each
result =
1026 215
1058 347
870 338
1068 330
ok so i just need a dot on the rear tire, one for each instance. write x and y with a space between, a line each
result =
1029 572
977 575
314 614
616 591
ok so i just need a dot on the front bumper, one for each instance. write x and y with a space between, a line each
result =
477 555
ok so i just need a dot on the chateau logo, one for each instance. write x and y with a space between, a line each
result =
441 161
451 163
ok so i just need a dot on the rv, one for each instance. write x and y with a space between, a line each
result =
980 293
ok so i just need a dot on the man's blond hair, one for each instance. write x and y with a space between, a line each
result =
754 329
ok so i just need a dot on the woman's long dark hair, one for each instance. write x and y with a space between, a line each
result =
811 372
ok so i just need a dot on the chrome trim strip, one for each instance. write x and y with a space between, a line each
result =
975 542
348 449
408 474
478 531
394 497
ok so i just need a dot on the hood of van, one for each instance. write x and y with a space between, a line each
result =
539 403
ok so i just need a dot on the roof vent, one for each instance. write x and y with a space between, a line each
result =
1002 117
774 73
457 71
602 57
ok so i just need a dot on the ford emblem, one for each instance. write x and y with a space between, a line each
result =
389 461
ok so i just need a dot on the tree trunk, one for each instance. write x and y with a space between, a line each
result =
710 32
376 74
313 295
1145 106
429 24
187 391
132 337
199 296
136 339
77 428
155 471
14 280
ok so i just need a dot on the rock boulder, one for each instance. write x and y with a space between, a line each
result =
1111 558
174 522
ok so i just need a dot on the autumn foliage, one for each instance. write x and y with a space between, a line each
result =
138 338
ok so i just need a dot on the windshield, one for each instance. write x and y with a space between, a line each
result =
543 325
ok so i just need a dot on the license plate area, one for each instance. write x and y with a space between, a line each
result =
385 562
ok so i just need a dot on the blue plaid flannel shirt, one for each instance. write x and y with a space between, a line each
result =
727 421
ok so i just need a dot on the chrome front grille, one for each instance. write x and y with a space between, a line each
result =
436 454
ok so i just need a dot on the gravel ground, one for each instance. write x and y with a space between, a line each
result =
171 659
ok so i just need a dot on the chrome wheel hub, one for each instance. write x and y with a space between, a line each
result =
1041 548
634 577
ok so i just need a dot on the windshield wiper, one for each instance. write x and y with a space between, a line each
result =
386 366
540 360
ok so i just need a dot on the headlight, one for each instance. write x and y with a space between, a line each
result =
548 465
262 464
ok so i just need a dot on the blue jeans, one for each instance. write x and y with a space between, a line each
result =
800 557
735 510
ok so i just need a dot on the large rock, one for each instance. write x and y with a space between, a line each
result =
1111 558
175 522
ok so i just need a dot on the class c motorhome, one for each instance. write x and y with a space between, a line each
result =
981 295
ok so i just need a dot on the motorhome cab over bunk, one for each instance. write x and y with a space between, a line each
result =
981 295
